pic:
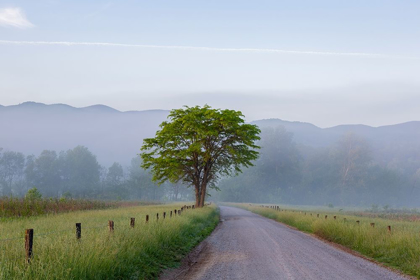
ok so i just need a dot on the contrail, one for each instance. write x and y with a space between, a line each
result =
190 48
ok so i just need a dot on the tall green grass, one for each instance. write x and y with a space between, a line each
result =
127 253
21 207
399 249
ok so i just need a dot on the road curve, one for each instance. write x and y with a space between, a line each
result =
249 246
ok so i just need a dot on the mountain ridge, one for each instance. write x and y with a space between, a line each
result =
101 107
114 135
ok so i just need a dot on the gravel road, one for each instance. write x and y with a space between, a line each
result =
248 246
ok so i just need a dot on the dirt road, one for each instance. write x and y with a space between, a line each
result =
248 246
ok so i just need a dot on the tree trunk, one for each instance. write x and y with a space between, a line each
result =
197 196
203 194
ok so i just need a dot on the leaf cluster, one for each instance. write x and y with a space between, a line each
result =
200 144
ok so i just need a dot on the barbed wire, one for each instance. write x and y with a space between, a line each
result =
66 230
10 239
49 233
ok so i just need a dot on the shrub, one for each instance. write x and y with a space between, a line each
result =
33 194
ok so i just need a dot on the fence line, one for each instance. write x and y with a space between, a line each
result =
30 233
277 208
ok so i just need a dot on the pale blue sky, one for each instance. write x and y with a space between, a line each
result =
325 62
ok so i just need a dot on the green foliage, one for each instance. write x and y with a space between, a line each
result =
67 195
33 194
198 145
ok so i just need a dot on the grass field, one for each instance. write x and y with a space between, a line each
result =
398 249
127 253
20 207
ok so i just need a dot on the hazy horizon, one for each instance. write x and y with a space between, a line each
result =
326 63
247 119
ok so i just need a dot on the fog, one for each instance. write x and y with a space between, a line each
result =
92 153
347 166
111 135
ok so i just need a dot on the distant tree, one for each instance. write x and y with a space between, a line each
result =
11 170
80 171
198 145
44 172
277 171
140 184
33 194
280 161
67 195
115 174
178 191
353 154
351 158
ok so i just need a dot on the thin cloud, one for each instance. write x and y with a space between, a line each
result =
14 17
190 48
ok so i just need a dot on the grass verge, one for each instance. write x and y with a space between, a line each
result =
399 249
141 252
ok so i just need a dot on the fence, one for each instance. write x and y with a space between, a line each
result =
277 208
30 233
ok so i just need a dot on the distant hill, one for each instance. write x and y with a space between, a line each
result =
392 144
312 135
110 134
117 136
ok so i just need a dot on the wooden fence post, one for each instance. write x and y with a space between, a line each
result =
164 215
78 230
157 216
175 212
29 241
132 222
111 226
326 216
335 217
358 222
372 224
147 218
389 229
170 215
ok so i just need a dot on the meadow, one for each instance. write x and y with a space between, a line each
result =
139 252
397 247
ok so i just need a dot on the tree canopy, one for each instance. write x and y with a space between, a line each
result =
198 145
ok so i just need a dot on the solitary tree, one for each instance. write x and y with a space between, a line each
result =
198 145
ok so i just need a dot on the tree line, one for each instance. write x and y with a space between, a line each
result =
348 172
76 173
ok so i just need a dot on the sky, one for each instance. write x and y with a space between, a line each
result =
327 62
